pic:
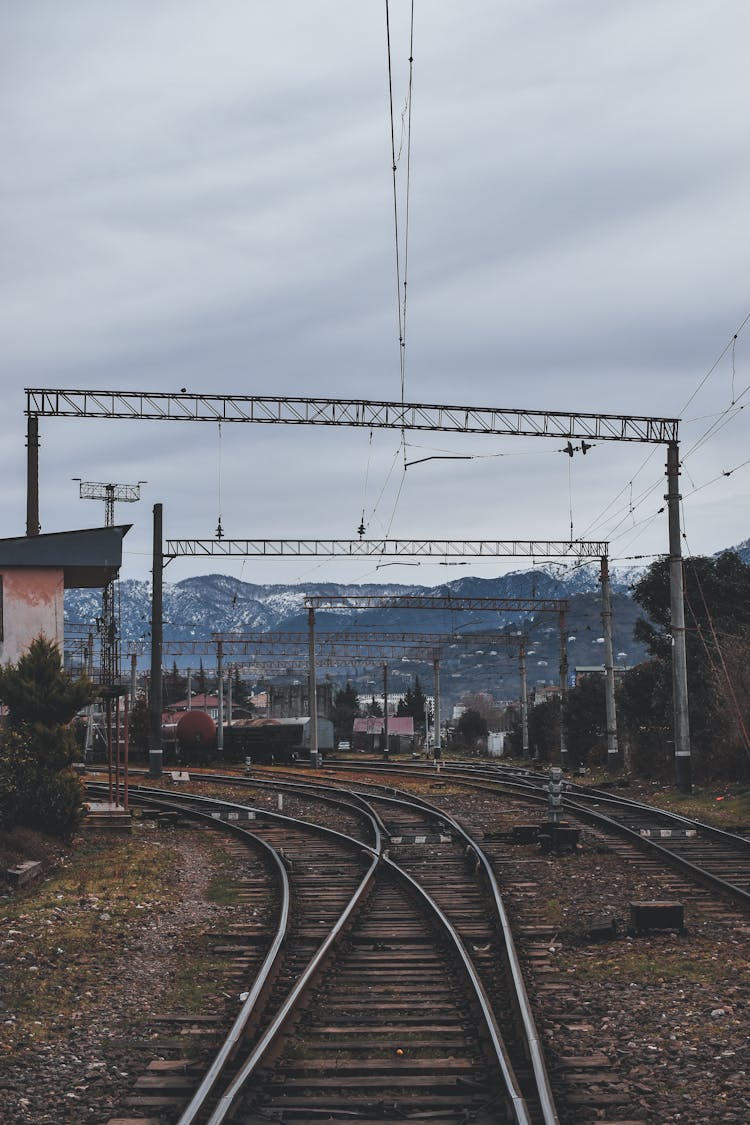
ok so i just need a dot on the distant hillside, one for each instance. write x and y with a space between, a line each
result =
196 607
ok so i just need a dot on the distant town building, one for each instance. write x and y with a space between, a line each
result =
584 670
368 733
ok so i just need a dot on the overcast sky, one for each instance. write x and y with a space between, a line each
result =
200 195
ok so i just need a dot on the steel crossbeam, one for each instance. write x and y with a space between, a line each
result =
341 636
342 645
448 602
387 548
359 413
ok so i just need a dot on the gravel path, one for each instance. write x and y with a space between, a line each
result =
94 1052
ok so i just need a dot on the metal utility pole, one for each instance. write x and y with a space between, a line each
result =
563 693
524 699
369 414
32 475
313 689
437 745
677 613
109 493
220 675
157 636
386 748
609 669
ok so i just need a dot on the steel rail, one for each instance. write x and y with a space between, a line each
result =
58 402
532 1039
538 793
269 962
516 1099
233 1090
604 796
531 1035
358 800
518 1102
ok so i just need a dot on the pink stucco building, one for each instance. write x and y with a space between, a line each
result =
36 570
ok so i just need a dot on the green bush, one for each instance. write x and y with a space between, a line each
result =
37 786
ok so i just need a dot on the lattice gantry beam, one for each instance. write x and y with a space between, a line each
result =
360 413
389 548
295 646
448 602
346 636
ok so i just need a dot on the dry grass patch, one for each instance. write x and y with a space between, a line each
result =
62 936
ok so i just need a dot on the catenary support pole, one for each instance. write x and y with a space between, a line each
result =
133 674
613 759
118 753
683 764
386 747
524 699
313 691
437 744
157 634
32 475
126 741
220 676
563 694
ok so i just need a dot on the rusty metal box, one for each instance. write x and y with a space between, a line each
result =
647 917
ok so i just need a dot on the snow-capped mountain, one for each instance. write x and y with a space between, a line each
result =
194 608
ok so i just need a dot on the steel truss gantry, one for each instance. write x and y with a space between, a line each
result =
577 549
359 413
338 643
452 603
372 414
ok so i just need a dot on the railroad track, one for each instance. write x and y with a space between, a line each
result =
423 839
717 859
375 1001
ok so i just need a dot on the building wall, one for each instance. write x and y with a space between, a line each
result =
32 603
289 701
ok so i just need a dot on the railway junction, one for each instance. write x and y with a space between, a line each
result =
439 957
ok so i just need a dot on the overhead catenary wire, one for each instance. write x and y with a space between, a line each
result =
401 243
219 528
718 421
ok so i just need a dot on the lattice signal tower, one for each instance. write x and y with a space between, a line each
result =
109 624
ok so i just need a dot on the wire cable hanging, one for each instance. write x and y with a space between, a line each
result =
219 528
401 281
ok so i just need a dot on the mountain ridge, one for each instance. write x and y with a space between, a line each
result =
198 606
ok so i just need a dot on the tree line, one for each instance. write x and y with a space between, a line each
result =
717 618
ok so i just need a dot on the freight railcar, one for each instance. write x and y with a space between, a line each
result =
275 740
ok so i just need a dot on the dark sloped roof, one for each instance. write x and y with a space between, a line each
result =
89 558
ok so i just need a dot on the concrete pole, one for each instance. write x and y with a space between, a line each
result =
683 764
229 696
524 699
32 475
563 693
189 689
437 745
133 675
220 675
385 710
313 688
157 604
126 739
609 669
